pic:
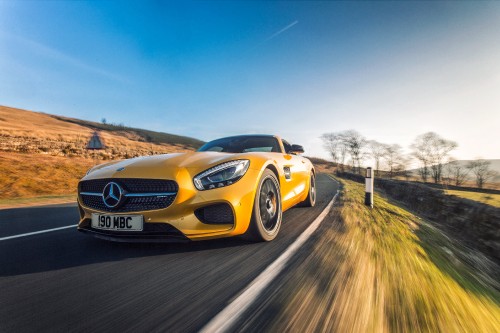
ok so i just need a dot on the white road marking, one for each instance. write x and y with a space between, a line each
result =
38 232
223 321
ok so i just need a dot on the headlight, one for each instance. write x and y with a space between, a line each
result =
221 175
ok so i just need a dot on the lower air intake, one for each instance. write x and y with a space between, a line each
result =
215 214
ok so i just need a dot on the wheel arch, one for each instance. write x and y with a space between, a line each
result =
274 169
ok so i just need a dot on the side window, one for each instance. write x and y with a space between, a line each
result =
288 147
276 146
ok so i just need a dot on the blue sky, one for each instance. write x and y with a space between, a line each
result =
391 70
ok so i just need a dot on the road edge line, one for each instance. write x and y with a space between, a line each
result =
37 232
225 319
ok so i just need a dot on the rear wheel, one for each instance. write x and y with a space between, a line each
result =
311 197
267 213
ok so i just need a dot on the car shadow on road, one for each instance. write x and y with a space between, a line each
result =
71 249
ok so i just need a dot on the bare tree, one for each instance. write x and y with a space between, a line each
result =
440 149
342 151
335 144
393 157
422 154
343 156
355 144
431 151
331 143
481 169
377 151
403 167
457 173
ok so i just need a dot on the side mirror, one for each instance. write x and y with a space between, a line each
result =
297 149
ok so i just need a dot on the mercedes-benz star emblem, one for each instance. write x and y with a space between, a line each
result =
112 195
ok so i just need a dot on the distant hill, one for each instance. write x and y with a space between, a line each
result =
34 132
144 135
494 165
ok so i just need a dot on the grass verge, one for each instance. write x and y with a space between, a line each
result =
382 270
35 175
37 201
490 199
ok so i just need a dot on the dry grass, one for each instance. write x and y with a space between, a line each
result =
324 167
18 122
33 175
33 132
382 270
33 124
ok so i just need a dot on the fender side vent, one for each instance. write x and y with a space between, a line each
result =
288 173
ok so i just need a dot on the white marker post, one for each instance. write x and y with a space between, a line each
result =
369 187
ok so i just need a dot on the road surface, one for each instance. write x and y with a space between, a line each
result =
64 280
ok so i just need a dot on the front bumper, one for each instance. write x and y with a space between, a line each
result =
180 218
152 233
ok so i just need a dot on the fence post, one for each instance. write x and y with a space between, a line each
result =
369 187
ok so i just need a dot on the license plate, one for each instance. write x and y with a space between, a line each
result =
117 222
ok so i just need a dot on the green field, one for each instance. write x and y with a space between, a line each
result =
487 198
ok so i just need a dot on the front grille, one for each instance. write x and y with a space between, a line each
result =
140 194
215 214
133 185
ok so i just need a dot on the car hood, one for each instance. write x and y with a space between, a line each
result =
160 166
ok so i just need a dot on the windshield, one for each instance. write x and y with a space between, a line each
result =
243 144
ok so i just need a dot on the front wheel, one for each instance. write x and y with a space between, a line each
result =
267 213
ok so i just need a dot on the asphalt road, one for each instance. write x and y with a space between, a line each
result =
64 280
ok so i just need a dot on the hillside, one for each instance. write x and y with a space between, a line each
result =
25 131
30 176
494 165
42 154
142 134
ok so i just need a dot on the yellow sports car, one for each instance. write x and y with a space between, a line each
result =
232 186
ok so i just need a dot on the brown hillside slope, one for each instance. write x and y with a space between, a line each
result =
44 155
32 132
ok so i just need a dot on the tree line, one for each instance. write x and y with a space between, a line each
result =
430 150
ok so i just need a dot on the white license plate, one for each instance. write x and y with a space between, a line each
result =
117 222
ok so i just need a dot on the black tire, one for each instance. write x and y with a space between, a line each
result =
311 197
267 212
